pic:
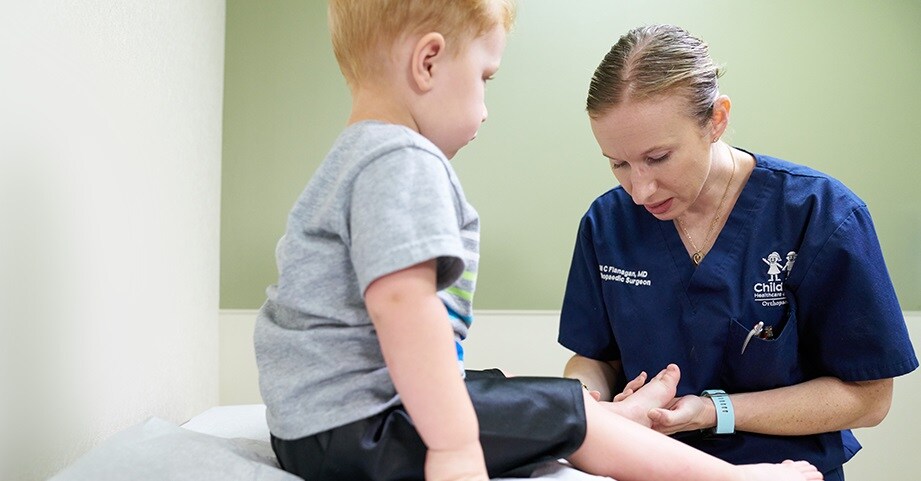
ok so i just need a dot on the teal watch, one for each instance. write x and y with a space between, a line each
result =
725 416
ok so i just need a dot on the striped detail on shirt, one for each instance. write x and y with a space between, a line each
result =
458 298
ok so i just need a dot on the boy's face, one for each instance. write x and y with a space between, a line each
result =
458 104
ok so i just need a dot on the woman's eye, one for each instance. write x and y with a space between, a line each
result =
660 158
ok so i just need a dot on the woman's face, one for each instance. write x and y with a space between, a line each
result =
658 153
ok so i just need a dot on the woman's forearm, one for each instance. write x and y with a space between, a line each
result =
816 406
596 375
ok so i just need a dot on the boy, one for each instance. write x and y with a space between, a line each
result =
358 345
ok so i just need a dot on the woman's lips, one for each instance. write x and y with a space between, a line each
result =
660 208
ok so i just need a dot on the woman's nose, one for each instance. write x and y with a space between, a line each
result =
643 186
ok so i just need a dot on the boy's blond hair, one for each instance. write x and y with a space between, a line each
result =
364 31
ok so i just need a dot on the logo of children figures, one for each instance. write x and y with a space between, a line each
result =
791 257
774 267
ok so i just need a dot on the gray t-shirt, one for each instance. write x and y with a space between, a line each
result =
385 198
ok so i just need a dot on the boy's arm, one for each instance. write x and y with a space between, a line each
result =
417 342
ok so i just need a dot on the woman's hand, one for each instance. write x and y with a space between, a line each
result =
596 395
687 413
658 393
631 387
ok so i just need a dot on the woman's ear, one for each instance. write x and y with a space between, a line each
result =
428 50
719 118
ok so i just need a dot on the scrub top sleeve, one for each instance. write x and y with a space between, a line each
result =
403 212
851 320
584 325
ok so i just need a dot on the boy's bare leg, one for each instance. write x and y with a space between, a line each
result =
658 392
764 472
617 447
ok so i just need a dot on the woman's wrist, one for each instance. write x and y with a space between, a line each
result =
720 414
706 419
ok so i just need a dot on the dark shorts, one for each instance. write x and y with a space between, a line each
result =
524 422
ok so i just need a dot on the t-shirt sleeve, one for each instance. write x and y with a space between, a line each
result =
404 211
584 325
853 325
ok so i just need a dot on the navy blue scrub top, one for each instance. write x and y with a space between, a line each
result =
798 252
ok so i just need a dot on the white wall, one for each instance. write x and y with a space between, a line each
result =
524 343
110 171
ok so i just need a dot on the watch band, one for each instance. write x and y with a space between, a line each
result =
725 416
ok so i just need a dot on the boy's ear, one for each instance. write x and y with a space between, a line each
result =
429 49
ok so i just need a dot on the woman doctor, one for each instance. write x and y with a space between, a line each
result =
761 279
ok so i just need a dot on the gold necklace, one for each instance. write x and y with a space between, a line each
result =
698 254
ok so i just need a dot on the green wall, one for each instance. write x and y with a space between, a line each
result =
830 84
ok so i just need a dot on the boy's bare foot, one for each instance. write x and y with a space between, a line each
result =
786 471
658 392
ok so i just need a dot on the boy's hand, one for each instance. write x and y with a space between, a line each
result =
462 464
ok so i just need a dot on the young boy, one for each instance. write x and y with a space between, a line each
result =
358 344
